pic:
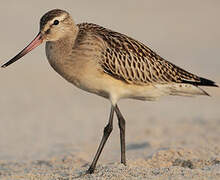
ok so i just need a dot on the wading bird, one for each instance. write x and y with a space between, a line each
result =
111 65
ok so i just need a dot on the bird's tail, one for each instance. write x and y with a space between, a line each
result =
202 82
188 88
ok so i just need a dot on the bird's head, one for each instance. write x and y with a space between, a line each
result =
54 25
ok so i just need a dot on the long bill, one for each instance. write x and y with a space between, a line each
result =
36 42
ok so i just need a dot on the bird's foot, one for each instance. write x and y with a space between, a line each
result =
90 170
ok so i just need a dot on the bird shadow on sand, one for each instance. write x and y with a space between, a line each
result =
135 146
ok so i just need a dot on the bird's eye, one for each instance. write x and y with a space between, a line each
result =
56 22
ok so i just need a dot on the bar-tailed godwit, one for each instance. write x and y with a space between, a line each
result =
111 65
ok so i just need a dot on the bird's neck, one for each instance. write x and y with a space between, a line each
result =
57 51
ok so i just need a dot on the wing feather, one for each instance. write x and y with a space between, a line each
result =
133 62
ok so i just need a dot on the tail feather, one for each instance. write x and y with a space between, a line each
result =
202 82
181 89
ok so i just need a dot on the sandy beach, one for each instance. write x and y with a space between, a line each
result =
51 130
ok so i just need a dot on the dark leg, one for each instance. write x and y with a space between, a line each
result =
106 133
121 123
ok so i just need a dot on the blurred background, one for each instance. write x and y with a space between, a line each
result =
42 116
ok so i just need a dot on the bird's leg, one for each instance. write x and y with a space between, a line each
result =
106 133
121 124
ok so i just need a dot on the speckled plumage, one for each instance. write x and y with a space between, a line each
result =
131 61
111 65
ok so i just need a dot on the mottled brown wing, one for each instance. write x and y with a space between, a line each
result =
131 61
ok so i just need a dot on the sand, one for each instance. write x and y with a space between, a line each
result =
180 155
51 130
